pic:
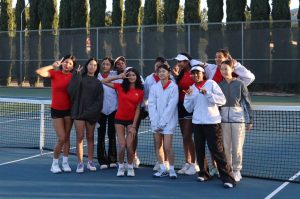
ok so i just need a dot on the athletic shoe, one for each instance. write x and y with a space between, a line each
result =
167 165
237 176
214 172
191 170
103 166
66 167
184 168
91 166
55 168
160 174
172 174
200 179
113 165
197 167
136 162
121 172
130 172
228 185
80 168
156 167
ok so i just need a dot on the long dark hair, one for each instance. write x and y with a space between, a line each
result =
85 70
69 56
179 77
138 83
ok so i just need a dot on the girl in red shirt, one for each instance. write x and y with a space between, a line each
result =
130 97
60 73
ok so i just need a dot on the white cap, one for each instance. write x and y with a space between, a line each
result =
198 68
127 68
181 57
195 62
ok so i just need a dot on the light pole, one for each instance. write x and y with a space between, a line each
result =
21 43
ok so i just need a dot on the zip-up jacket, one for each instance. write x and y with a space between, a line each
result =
243 73
205 107
110 100
162 105
238 105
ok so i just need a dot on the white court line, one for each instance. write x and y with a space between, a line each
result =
42 154
282 186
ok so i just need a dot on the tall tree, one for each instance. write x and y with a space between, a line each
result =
170 32
79 12
150 12
215 34
6 24
48 16
192 11
132 8
281 36
97 19
64 22
117 18
97 13
260 10
117 12
20 6
235 10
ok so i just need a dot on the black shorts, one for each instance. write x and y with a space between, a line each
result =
124 122
60 113
182 113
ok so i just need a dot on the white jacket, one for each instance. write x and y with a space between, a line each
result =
205 106
110 100
162 105
243 73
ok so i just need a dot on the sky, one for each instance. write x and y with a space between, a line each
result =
294 3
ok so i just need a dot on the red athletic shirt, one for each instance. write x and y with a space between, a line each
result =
60 97
218 76
127 102
184 84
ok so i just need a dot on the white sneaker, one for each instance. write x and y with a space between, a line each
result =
136 162
80 168
237 176
184 168
214 172
172 174
55 168
228 185
91 166
121 172
156 166
113 165
167 165
191 170
66 167
200 179
130 172
103 166
160 174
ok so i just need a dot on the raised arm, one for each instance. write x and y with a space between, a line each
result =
44 71
108 81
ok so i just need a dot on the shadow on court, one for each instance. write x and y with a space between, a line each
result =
31 178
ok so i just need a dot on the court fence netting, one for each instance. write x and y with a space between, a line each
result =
271 149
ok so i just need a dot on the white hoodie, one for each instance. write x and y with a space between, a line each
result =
162 105
205 106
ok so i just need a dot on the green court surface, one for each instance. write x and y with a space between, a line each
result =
258 99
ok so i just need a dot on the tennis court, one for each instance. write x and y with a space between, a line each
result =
271 157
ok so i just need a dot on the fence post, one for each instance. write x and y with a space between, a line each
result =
242 43
142 51
97 45
189 38
42 127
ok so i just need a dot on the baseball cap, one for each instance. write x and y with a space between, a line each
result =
195 62
198 68
181 57
119 58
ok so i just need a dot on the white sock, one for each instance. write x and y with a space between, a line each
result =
130 166
55 161
121 165
65 159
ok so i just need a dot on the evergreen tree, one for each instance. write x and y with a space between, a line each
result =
117 12
19 8
6 24
281 10
79 14
170 32
34 21
150 12
132 8
97 19
48 16
97 13
215 10
192 11
260 10
170 11
235 10
65 14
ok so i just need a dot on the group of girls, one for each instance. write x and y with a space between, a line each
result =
189 93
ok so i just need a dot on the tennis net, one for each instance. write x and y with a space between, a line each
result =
271 148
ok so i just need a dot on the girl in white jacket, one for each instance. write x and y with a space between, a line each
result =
204 99
162 105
